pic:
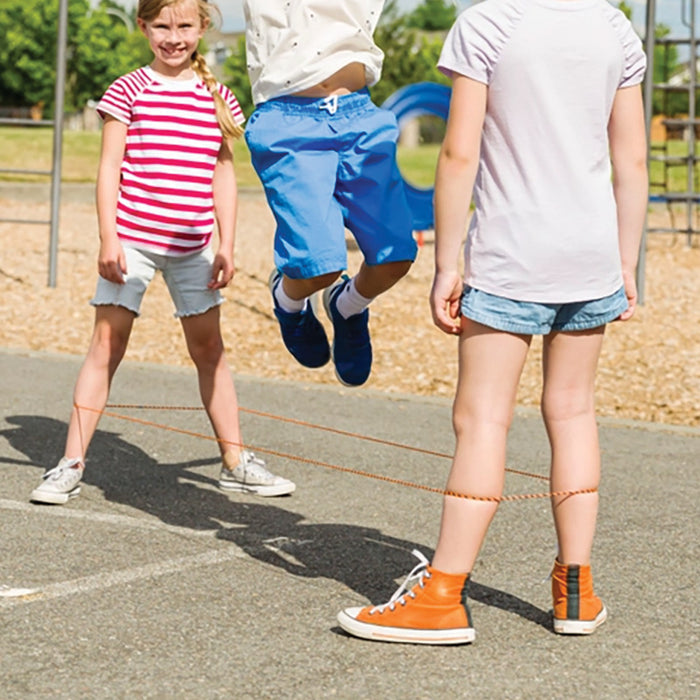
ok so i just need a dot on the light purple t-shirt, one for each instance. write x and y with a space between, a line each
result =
544 227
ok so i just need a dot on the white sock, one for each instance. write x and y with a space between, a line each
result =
286 303
350 302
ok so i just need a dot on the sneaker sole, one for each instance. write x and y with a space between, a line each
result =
378 633
266 491
580 626
58 499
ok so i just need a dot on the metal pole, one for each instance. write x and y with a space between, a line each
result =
61 41
648 94
692 63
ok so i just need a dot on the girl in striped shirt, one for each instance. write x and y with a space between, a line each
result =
165 178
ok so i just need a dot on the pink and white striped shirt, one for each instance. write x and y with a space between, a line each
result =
166 202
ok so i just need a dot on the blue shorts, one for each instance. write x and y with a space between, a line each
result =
327 165
186 276
532 318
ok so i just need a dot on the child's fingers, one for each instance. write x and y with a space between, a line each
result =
446 317
112 271
629 312
221 275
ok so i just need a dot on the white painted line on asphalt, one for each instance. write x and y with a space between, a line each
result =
109 579
7 592
107 518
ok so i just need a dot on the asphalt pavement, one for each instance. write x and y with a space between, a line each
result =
155 584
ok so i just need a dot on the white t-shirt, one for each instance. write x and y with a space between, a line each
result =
544 227
294 45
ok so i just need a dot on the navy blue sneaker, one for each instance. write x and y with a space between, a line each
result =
302 332
352 349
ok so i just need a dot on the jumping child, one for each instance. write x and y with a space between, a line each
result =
165 176
546 96
326 156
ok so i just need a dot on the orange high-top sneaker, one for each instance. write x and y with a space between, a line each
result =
576 609
430 607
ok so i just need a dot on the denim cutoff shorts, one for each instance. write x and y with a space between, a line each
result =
533 318
326 165
186 276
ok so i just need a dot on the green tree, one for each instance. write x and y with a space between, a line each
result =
236 77
666 102
99 49
433 15
626 9
103 49
410 56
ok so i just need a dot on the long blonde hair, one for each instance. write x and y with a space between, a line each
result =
148 10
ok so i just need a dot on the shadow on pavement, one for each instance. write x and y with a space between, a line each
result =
363 559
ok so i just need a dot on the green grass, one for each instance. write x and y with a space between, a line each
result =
31 148
677 176
418 164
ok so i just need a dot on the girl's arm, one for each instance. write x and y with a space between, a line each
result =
225 193
110 263
456 171
628 151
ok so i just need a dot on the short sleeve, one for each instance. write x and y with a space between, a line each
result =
115 102
473 45
232 103
635 60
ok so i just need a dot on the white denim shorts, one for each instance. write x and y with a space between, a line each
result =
186 276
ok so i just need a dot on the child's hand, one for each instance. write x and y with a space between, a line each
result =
444 301
631 294
222 271
111 262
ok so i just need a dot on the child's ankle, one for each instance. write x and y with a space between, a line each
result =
230 458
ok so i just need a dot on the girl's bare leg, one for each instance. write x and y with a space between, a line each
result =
110 338
490 364
569 368
216 388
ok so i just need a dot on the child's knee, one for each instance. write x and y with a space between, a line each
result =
564 408
206 352
394 271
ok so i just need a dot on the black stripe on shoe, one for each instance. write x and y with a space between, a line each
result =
573 593
465 601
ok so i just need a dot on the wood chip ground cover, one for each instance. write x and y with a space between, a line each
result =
649 370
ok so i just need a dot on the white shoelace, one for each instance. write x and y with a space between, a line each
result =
61 470
330 104
255 467
416 577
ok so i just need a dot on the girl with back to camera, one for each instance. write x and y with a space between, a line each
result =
165 178
546 93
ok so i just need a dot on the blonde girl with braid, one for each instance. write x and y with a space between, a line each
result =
165 180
